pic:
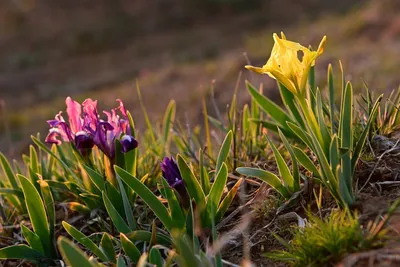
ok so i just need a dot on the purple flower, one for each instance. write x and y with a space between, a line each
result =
89 130
170 172
172 175
73 132
106 132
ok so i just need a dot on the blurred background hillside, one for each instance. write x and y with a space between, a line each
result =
175 49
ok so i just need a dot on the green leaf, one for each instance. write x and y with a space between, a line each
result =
173 203
267 177
131 156
363 137
84 240
66 167
305 161
130 249
301 134
155 257
32 239
33 162
96 178
127 205
107 247
226 202
192 185
36 211
295 168
224 151
148 197
334 153
217 189
289 101
168 122
116 218
269 106
121 261
346 134
205 180
8 191
8 171
186 255
22 252
326 136
73 255
274 127
284 171
331 87
145 236
51 213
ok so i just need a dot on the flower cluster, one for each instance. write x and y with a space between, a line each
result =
86 129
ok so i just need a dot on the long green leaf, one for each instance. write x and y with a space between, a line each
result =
217 189
168 122
22 252
73 255
295 168
116 218
141 235
51 213
96 178
284 171
36 211
127 205
192 185
224 150
8 171
226 202
130 249
267 177
151 200
32 239
346 134
84 240
173 203
269 106
363 137
107 247
305 161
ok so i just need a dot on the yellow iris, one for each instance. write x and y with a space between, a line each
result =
285 64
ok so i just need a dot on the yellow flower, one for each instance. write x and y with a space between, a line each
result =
285 66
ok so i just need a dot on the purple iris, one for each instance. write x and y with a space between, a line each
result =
170 172
73 131
90 130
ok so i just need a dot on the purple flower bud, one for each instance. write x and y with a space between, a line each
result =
128 143
170 172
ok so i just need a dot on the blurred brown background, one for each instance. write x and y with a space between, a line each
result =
50 49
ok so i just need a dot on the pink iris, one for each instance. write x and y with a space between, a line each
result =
87 129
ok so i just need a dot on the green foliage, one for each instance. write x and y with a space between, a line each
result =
327 240
310 121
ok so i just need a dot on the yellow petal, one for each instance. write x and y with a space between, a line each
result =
321 46
256 69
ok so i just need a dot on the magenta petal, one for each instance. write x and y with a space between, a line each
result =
91 115
122 108
52 137
100 138
74 114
